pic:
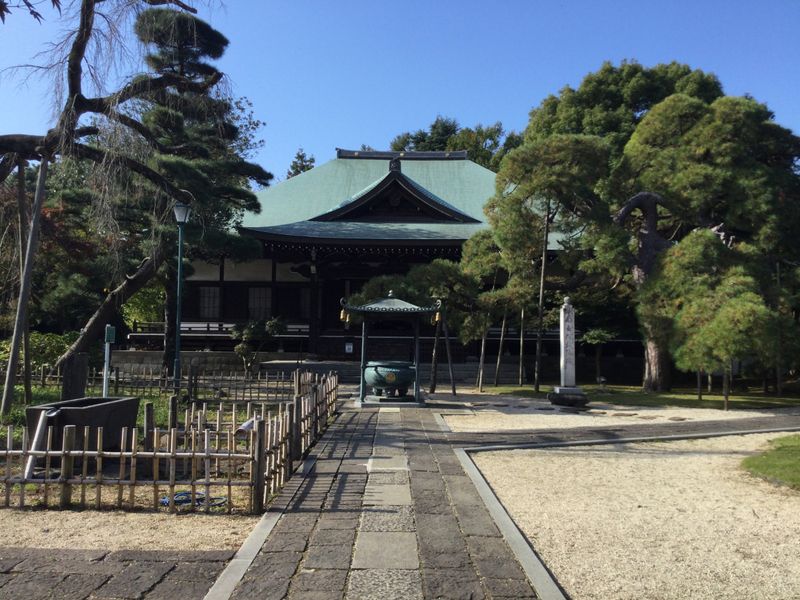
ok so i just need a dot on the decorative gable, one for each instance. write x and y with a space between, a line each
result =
396 199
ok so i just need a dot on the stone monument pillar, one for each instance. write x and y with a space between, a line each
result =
567 340
567 394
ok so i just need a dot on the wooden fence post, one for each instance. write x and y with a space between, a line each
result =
67 464
296 430
315 413
259 464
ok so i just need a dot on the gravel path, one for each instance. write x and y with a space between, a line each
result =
516 415
654 521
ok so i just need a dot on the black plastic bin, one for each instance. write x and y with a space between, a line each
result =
112 414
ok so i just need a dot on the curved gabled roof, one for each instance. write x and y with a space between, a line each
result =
461 185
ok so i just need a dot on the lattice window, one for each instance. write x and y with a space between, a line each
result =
259 303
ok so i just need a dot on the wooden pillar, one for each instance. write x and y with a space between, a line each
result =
260 465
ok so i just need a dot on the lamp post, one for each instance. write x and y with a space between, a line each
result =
182 212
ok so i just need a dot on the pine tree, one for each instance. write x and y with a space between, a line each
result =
300 164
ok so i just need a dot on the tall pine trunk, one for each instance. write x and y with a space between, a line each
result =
500 348
521 344
26 281
657 369
482 361
540 323
23 218
726 386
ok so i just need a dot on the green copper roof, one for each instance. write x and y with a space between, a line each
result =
355 230
461 184
390 304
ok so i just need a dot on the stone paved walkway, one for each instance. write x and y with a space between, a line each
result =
34 573
386 513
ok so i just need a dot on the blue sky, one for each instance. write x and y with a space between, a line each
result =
323 74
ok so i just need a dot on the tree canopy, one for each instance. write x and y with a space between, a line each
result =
636 159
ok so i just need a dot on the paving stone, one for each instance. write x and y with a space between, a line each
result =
328 557
171 588
388 477
134 580
197 571
488 547
454 558
509 588
451 584
6 564
476 520
274 565
326 466
432 504
436 525
43 564
30 586
387 463
301 523
341 521
387 495
384 584
462 491
386 550
353 466
387 518
332 537
317 595
422 481
498 568
77 587
283 542
323 580
5 578
249 589
171 556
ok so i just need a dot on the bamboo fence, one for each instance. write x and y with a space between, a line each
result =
215 459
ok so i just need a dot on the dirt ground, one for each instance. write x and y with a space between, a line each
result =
114 530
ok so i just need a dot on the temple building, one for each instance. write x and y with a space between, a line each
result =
327 231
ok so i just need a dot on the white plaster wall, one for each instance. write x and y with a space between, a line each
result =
204 271
252 270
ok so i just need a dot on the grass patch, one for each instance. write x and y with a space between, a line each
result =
633 396
779 464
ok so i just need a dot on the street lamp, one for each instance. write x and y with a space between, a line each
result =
182 212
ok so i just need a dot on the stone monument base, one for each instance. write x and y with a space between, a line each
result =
568 396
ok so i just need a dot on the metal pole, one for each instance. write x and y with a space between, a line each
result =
416 359
106 369
177 366
363 391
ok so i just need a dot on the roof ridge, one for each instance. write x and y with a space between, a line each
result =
404 155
